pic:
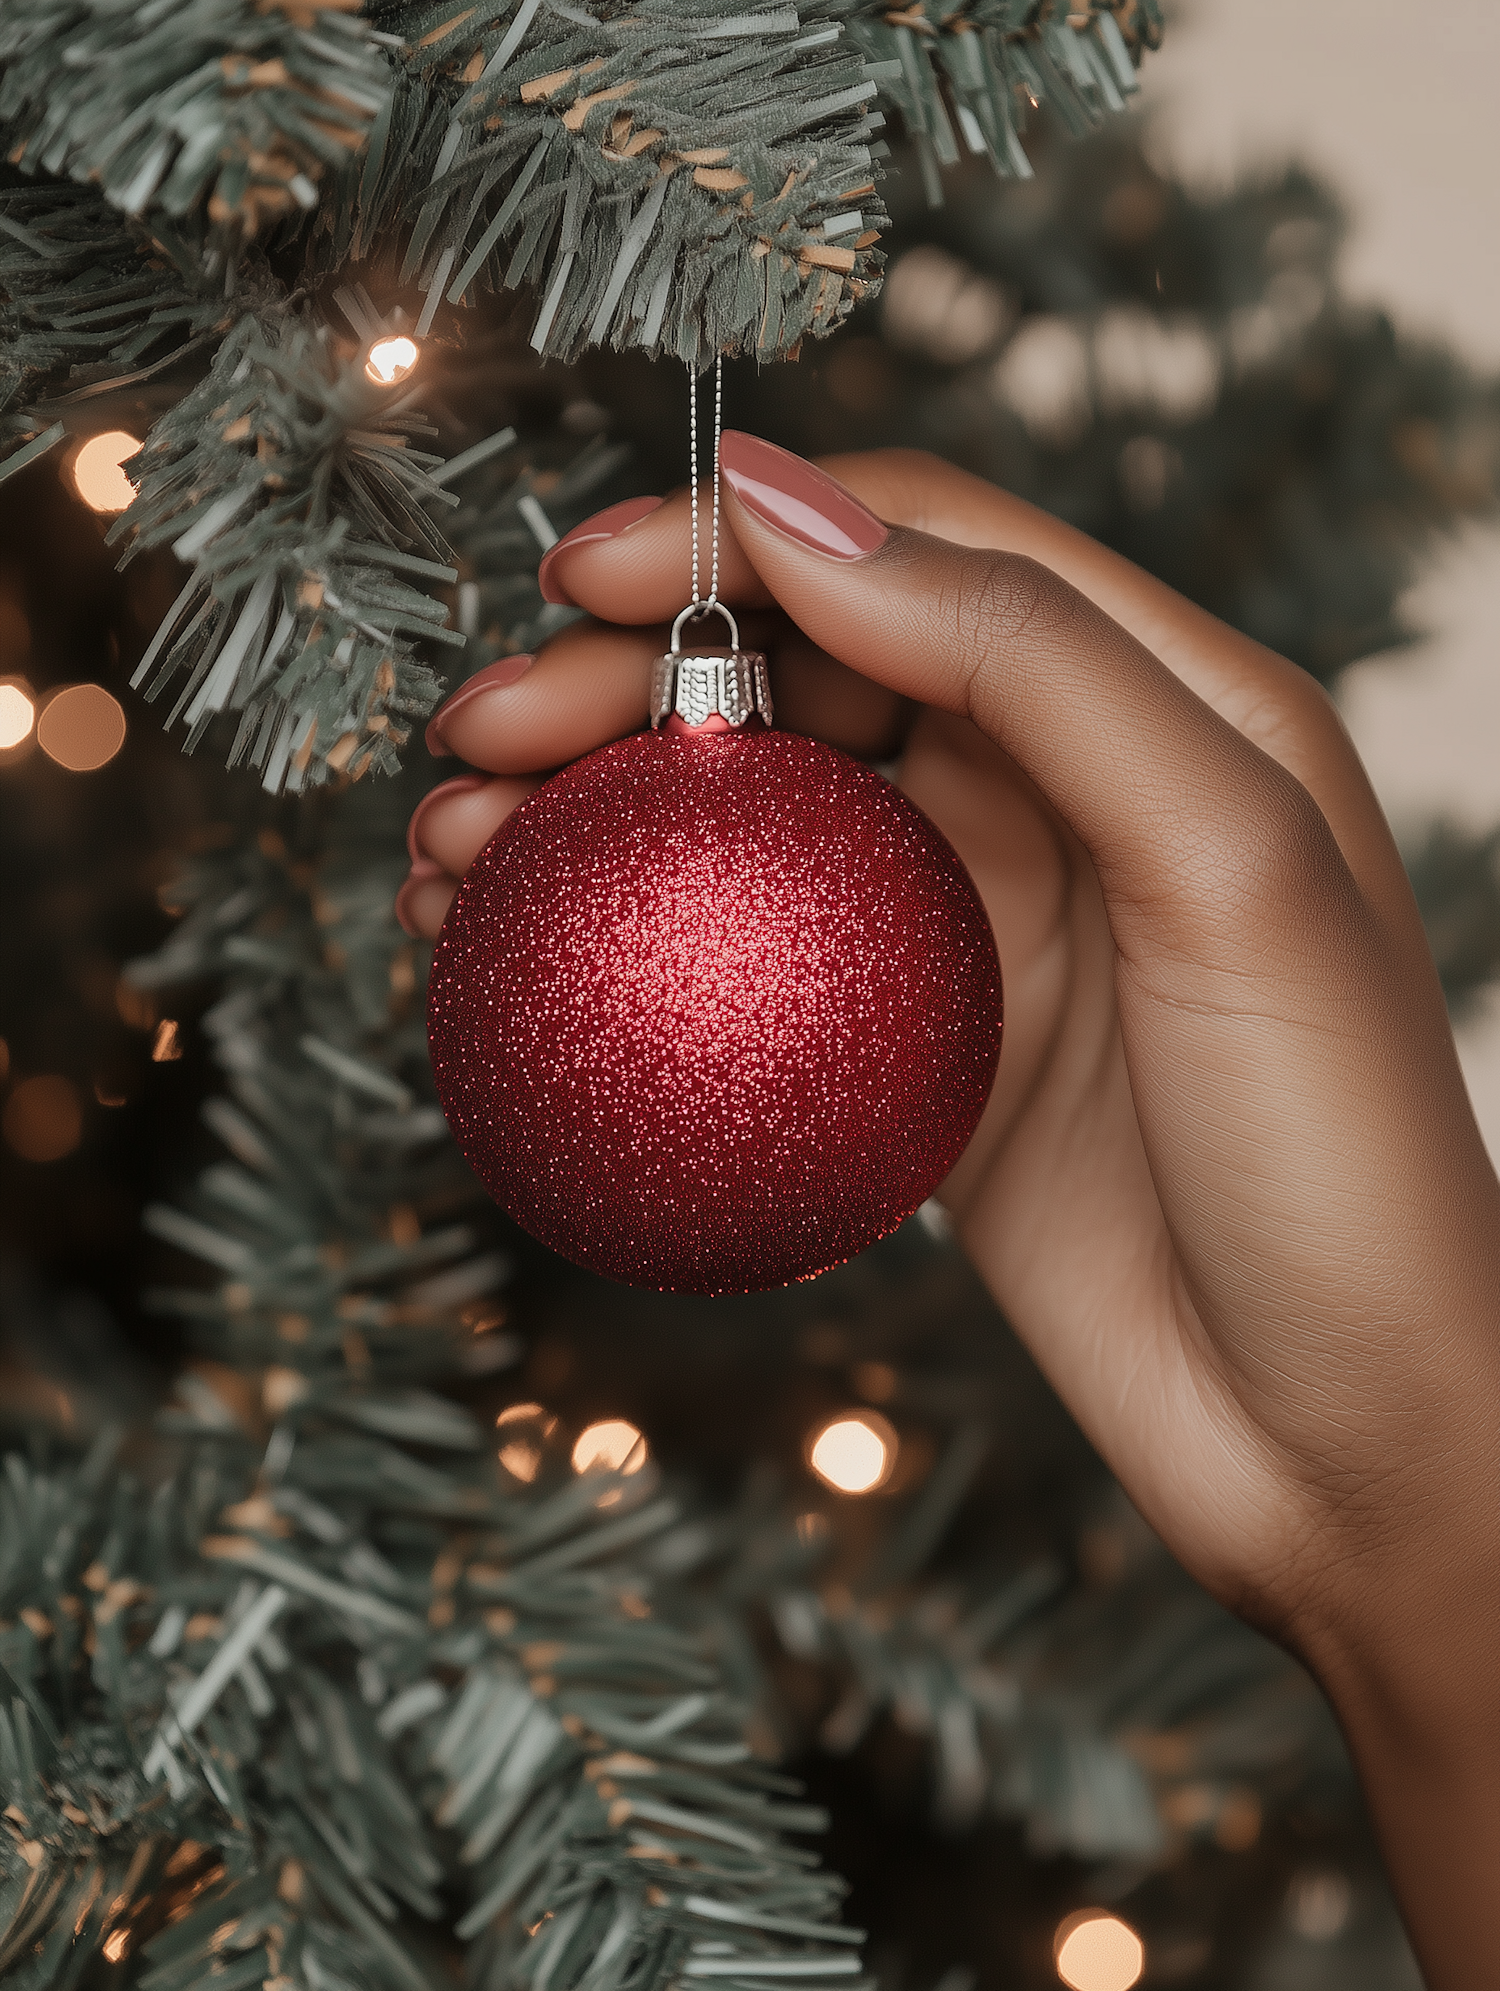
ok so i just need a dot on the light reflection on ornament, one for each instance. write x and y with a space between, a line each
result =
81 728
97 476
524 1430
390 360
1096 1951
612 1445
854 1453
17 714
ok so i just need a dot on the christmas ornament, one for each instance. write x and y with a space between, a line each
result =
717 1006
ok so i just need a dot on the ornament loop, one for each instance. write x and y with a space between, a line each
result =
695 609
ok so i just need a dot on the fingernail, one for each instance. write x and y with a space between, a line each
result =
505 670
421 873
797 499
461 784
603 525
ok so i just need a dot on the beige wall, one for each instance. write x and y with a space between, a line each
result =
1395 101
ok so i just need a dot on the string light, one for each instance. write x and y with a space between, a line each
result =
81 728
166 1048
612 1445
390 360
17 715
854 1453
43 1119
97 476
524 1430
1096 1951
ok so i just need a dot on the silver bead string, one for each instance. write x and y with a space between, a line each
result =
711 600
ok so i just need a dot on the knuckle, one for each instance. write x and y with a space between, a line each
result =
1275 857
1290 715
995 598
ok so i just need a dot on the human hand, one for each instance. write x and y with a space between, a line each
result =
1228 1187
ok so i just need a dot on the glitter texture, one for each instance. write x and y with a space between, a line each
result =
712 1012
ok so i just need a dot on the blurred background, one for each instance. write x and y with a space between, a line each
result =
1394 110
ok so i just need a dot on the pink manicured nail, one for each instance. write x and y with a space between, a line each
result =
421 873
603 525
804 503
461 784
504 671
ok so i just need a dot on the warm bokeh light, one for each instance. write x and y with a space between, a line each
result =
1318 1904
97 476
43 1119
854 1453
166 1046
16 715
392 359
1096 1951
611 1445
81 728
524 1430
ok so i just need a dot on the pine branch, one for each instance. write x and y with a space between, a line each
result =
686 184
992 59
202 1848
80 289
223 114
288 482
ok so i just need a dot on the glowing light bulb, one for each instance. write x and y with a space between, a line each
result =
16 715
392 359
81 728
612 1445
524 1430
854 1453
1096 1951
97 476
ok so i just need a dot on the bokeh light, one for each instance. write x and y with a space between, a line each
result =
43 1118
612 1445
166 1046
97 476
1096 1951
854 1453
392 359
81 727
524 1430
17 714
1318 1904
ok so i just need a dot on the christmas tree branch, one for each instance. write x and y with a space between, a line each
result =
221 113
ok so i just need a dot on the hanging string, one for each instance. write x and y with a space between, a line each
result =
701 601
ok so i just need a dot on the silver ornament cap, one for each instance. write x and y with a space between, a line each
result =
710 680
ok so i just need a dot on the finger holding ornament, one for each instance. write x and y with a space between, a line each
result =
526 713
457 819
636 575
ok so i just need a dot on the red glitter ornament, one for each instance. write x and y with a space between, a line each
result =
714 1009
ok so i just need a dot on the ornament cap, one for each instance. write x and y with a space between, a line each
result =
712 682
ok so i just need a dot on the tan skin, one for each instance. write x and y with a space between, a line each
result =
1229 1188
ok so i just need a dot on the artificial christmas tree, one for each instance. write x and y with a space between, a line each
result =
307 1687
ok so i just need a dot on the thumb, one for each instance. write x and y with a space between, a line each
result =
1194 831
